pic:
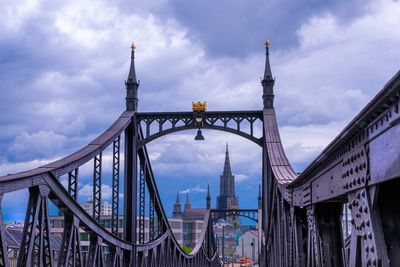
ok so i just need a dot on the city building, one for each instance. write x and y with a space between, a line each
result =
105 208
192 219
248 245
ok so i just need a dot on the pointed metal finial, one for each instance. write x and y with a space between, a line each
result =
267 43
133 46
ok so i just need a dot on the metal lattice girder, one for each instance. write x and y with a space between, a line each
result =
115 187
3 240
151 218
142 203
95 254
35 248
73 183
97 187
71 251
115 257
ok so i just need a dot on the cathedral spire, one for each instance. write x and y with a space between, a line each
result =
268 81
227 164
187 203
177 210
208 198
132 84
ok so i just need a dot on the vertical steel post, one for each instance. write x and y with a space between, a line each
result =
3 240
151 217
142 192
130 189
73 183
266 188
97 187
115 187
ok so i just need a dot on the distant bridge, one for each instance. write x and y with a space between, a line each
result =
301 215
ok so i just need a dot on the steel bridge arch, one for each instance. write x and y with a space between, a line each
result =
210 120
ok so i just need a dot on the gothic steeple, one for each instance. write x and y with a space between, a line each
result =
187 203
177 211
227 164
268 81
208 198
132 84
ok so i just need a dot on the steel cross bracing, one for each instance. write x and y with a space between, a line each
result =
115 186
97 187
300 215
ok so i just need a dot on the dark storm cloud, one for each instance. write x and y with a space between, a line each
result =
238 28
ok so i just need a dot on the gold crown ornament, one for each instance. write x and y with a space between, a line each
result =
198 106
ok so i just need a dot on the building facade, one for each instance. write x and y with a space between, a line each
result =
192 219
248 246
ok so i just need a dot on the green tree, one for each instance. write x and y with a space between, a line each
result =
186 248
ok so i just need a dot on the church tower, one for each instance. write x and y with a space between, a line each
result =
177 211
227 198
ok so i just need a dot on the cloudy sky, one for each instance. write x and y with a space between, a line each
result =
63 66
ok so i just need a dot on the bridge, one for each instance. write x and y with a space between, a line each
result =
300 215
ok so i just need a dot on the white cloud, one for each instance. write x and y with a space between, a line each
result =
14 167
87 191
241 177
196 189
42 143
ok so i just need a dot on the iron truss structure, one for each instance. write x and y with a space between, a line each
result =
300 215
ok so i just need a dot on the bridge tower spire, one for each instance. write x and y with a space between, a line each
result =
268 81
132 84
208 198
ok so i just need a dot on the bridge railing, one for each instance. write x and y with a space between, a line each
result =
360 168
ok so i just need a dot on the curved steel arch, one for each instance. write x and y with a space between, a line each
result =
241 213
217 120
